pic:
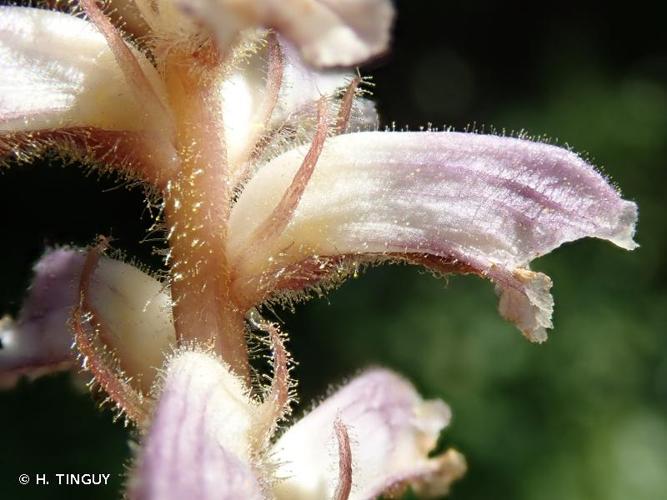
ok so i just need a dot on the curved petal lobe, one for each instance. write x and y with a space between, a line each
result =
391 432
466 202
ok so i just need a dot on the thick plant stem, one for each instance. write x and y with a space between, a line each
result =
197 204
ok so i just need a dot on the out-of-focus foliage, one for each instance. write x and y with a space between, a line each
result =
583 416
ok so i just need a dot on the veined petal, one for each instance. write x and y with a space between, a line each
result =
199 443
391 432
58 72
134 308
452 201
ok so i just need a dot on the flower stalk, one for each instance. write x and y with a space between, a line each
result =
197 203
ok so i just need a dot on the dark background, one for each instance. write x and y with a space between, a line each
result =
583 416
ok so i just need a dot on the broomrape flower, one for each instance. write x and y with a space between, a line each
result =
274 184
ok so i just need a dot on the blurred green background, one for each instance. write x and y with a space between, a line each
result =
583 416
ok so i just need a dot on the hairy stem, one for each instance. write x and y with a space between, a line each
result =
197 204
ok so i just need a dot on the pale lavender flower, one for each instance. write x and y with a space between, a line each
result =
275 183
370 437
134 308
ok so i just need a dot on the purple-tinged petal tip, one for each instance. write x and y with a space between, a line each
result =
199 445
452 201
134 307
39 341
391 432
